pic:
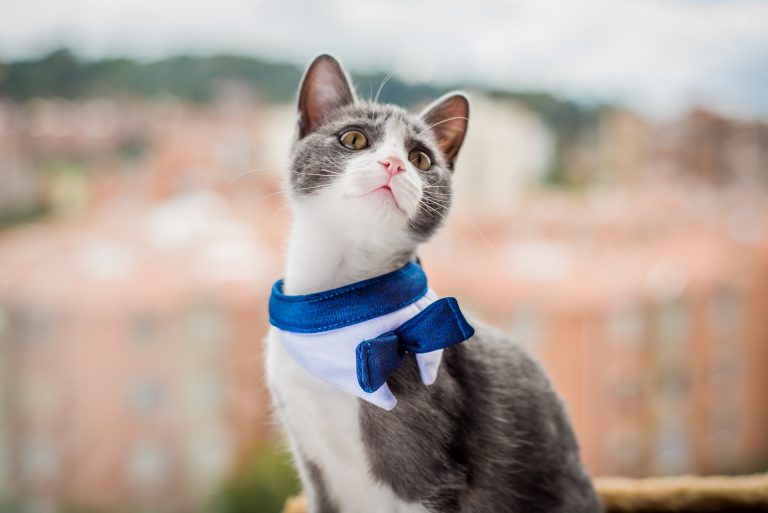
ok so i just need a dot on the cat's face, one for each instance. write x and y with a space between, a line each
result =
371 169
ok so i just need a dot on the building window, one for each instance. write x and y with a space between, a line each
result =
211 458
39 395
5 321
625 325
146 396
37 459
34 326
147 466
527 327
725 312
672 322
144 328
672 452
626 390
624 449
671 335
206 327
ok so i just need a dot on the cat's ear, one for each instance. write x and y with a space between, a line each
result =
448 117
324 88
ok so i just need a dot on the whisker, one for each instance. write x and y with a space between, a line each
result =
482 236
455 234
274 214
330 159
437 196
381 86
432 209
437 208
311 187
270 195
245 173
321 174
441 122
436 201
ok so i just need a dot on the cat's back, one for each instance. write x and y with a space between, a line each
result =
489 435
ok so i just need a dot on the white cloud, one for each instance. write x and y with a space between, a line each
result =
655 54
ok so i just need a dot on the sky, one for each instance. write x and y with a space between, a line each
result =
659 56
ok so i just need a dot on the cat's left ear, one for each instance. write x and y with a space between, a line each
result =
324 88
448 117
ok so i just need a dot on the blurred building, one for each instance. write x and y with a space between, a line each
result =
507 151
699 147
132 353
131 318
22 189
131 327
646 309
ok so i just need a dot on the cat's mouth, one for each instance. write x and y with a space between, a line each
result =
387 192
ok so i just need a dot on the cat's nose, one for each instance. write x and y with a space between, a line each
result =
393 164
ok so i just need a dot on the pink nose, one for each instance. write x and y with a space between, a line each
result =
393 164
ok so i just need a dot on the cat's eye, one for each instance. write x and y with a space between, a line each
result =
354 140
420 159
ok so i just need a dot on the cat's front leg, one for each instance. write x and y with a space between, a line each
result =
313 482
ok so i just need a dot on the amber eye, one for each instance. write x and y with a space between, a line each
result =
420 159
354 140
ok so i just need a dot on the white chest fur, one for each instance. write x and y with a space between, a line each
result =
322 425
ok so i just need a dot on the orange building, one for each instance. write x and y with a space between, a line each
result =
649 319
132 353
130 333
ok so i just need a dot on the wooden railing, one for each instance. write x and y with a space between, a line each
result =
685 494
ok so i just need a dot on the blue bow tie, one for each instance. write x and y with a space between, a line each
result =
439 325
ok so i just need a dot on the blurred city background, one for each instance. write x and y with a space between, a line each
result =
611 214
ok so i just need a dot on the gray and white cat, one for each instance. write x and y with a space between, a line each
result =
368 184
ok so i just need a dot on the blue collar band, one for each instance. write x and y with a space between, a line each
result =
351 304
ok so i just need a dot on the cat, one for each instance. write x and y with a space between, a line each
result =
368 184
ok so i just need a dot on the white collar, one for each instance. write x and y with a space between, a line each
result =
335 364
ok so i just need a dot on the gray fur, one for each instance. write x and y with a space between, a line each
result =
490 435
322 502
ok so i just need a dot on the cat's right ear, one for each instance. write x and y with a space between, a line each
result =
324 88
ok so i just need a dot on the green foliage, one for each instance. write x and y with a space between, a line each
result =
8 505
80 508
61 74
13 216
260 486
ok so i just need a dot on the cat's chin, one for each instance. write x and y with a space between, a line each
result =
380 198
386 196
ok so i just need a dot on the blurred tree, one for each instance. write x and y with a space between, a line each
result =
58 74
261 485
61 74
8 505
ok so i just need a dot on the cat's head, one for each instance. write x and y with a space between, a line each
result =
370 169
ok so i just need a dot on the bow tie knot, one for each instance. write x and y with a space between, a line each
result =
438 326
